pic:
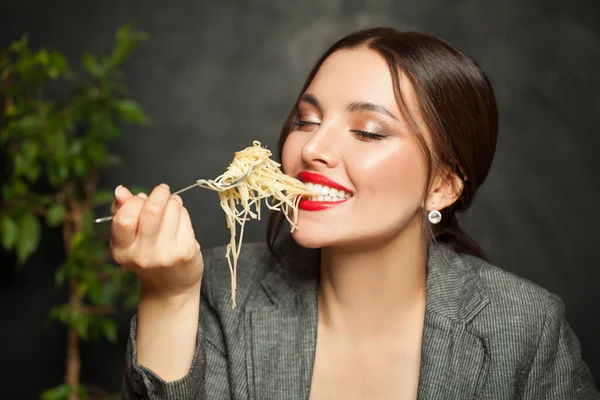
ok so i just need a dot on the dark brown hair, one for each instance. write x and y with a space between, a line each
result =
456 104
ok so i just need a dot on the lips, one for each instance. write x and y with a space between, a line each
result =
309 205
318 179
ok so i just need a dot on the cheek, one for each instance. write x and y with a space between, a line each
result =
291 154
398 173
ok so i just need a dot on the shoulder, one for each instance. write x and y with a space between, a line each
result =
254 262
526 334
518 311
512 294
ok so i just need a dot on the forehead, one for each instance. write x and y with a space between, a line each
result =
358 74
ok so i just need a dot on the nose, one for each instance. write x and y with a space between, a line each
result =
321 149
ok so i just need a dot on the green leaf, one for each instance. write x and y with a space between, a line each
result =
10 110
76 240
104 196
75 147
92 66
80 322
33 172
59 63
109 329
131 111
27 124
63 171
60 392
60 275
55 215
89 226
46 200
110 291
61 313
21 164
29 237
82 288
30 149
19 45
95 292
80 166
95 151
20 188
43 57
10 232
107 130
127 39
53 73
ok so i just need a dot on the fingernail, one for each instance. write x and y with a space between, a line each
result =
165 186
117 190
179 199
142 195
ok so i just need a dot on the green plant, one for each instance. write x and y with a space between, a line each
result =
54 148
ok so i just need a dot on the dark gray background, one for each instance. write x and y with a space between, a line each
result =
216 75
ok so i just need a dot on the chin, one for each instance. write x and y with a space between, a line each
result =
309 240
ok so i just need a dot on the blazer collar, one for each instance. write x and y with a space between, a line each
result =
453 288
453 359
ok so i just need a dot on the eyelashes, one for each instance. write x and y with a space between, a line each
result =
369 135
309 126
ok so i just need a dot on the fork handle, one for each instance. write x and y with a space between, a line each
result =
110 217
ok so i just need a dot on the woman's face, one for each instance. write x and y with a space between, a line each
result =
351 136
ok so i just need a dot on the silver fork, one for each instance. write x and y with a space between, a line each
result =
224 187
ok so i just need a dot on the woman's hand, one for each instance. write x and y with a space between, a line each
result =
153 236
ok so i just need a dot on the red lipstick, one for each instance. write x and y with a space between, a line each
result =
318 179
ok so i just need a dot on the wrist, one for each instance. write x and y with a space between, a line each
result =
169 301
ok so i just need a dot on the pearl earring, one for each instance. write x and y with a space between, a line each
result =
434 215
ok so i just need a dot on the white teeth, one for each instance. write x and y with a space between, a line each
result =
325 193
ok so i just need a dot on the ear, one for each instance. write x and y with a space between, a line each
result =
446 188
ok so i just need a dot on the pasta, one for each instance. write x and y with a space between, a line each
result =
242 200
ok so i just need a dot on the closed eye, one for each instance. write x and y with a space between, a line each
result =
366 136
300 124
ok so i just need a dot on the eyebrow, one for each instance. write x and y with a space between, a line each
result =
355 106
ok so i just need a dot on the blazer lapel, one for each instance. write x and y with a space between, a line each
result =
281 327
282 330
454 360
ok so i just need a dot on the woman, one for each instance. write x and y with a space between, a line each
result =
379 294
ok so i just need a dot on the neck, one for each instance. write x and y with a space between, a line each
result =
367 291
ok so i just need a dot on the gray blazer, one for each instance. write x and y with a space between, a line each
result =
488 334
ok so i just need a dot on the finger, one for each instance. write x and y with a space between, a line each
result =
122 194
170 220
125 223
185 233
152 213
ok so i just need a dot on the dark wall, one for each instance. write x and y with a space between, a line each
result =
216 75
